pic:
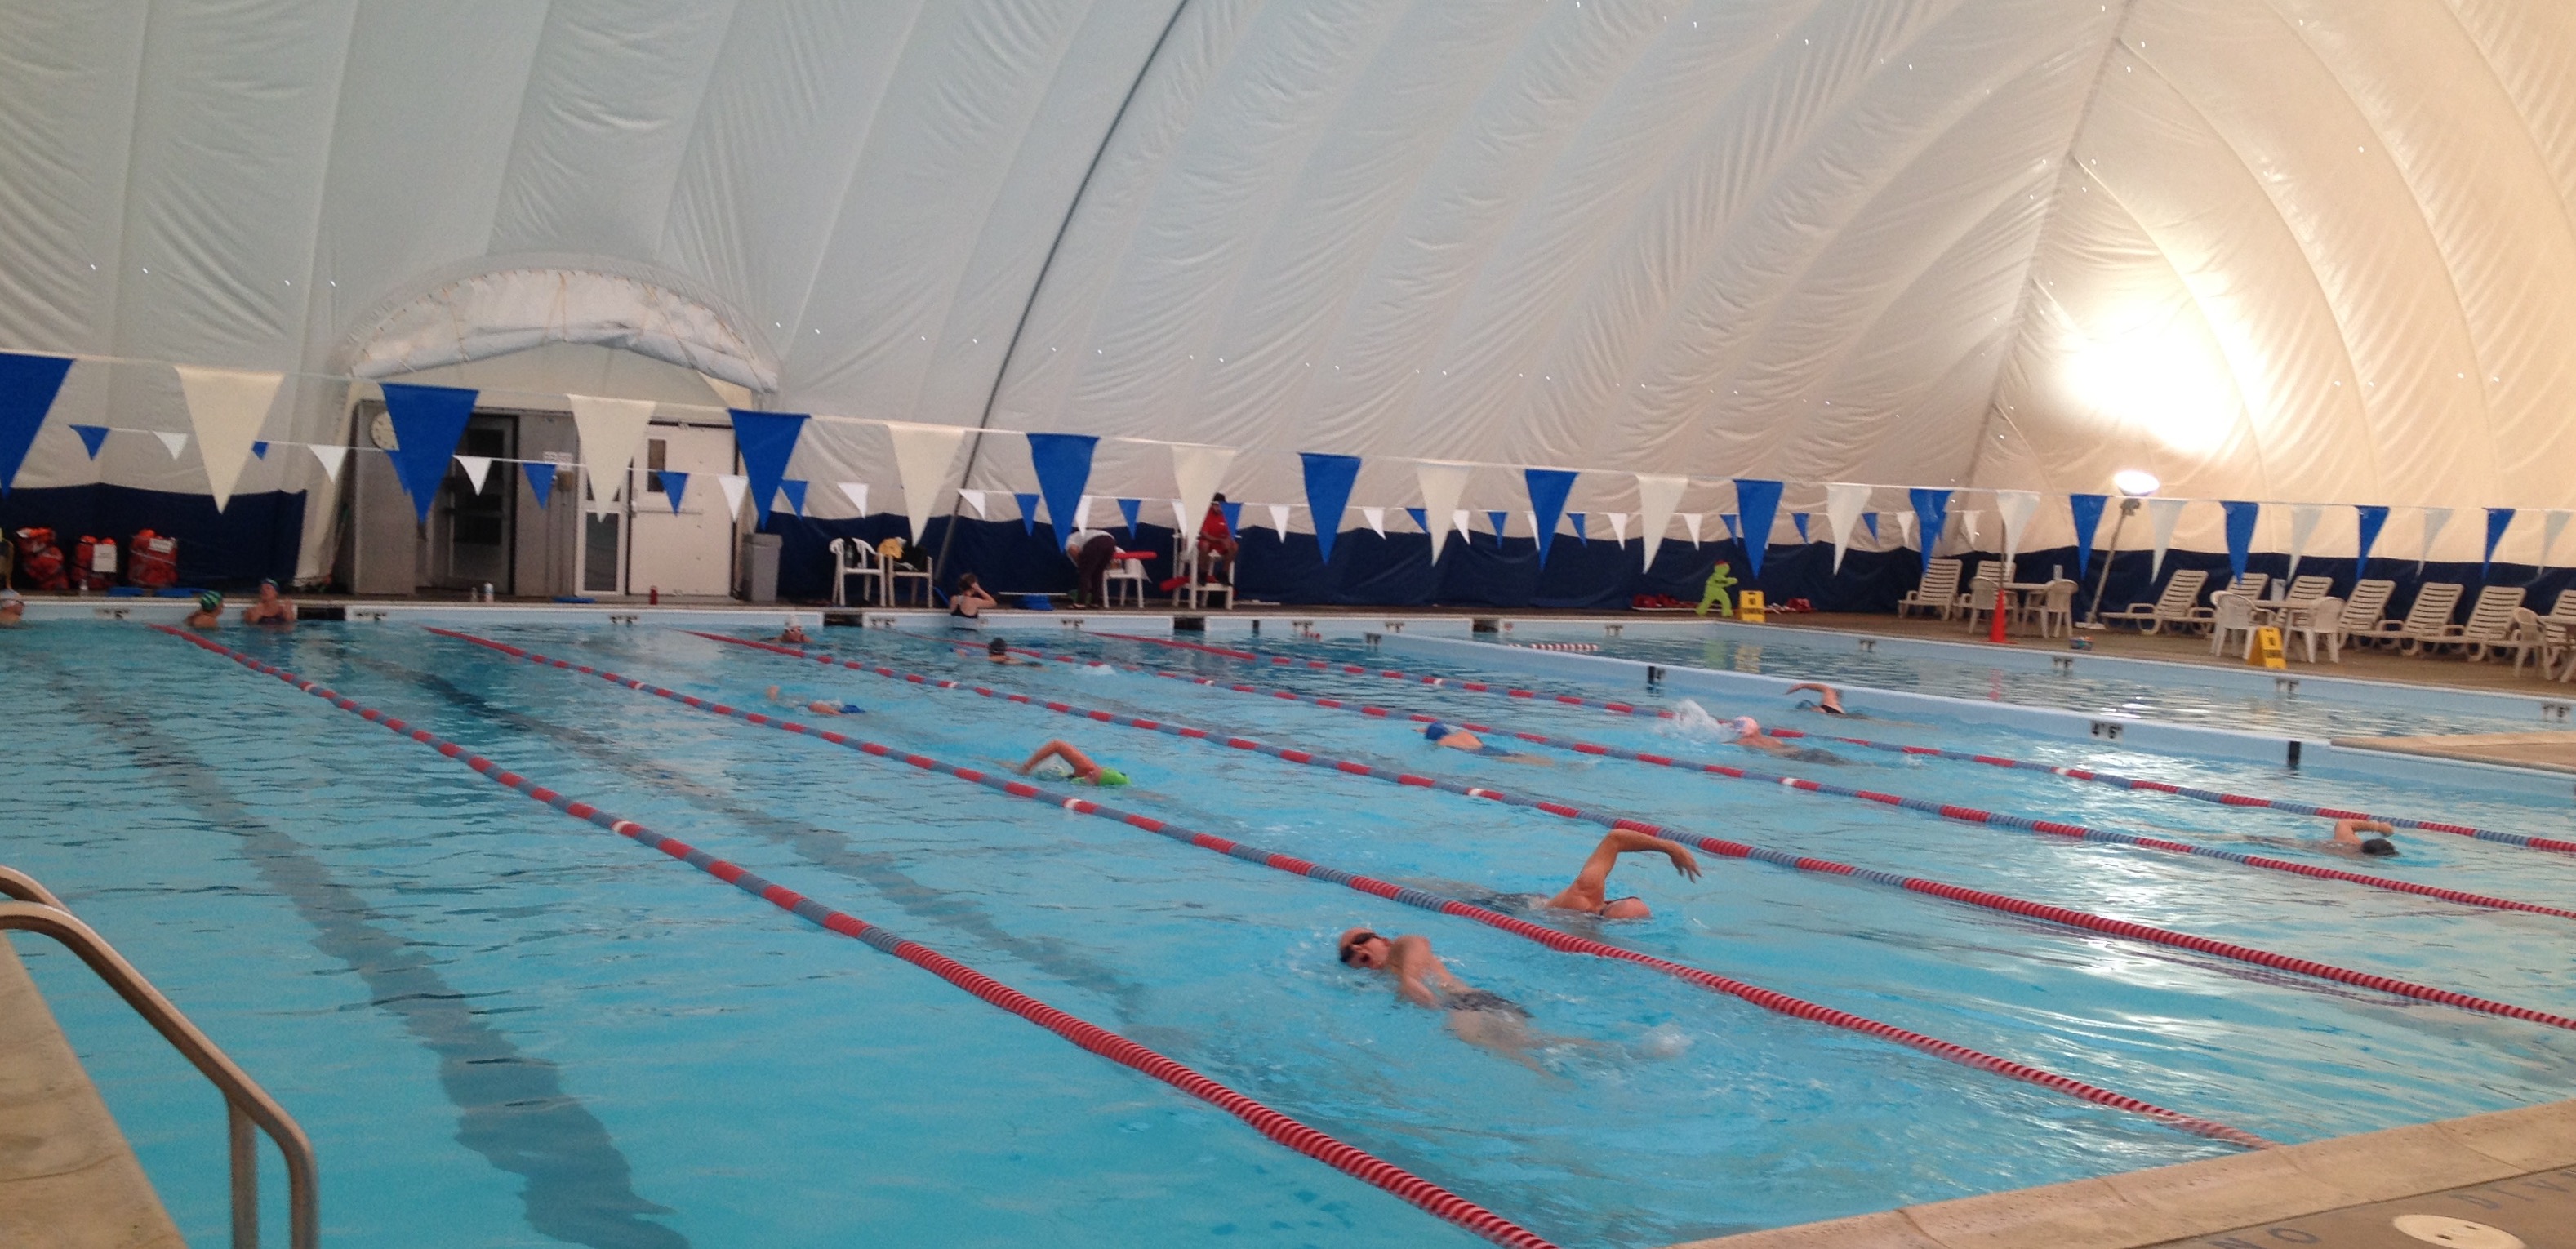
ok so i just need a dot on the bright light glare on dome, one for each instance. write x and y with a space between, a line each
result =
2160 379
2136 483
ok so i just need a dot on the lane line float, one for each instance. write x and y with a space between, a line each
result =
1768 999
2218 797
2006 903
1346 1158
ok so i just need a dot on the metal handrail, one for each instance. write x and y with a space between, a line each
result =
37 910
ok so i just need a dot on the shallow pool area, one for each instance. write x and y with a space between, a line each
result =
504 1026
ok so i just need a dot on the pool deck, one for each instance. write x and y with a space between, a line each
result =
67 1178
2513 1170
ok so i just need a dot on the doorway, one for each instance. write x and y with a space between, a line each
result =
472 533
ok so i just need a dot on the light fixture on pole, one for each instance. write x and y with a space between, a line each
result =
2133 484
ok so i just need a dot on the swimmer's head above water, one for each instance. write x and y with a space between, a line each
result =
1744 726
1363 948
2378 846
1436 730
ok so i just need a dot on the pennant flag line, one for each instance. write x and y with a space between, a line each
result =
1130 510
2161 515
1758 502
2087 510
2498 520
1932 514
1376 519
674 485
428 421
1657 496
331 457
177 443
857 493
612 435
767 441
1028 512
92 437
2240 536
541 481
2434 519
922 454
1844 503
2373 517
1328 492
975 500
793 490
1063 463
28 385
226 407
1441 486
476 467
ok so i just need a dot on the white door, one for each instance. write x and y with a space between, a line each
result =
690 552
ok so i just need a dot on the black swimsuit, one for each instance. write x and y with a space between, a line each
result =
1480 1000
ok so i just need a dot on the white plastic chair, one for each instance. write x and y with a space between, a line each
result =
2232 613
1126 572
2314 619
853 558
2056 609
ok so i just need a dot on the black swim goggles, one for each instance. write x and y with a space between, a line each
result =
1351 948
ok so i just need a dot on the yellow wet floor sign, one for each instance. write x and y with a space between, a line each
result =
1748 606
2266 652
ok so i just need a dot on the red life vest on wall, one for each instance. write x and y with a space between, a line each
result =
152 560
40 562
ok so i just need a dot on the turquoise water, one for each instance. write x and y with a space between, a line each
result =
506 1027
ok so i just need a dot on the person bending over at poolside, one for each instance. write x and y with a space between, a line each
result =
209 613
2349 839
1071 764
1590 894
821 708
1828 700
1455 738
271 609
1749 735
1475 1016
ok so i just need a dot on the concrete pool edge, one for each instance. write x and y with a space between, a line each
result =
67 1175
2165 1205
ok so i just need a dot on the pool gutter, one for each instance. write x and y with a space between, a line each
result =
2514 1169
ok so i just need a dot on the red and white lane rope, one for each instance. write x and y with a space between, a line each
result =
1346 1158
1768 999
2219 797
2006 903
1947 811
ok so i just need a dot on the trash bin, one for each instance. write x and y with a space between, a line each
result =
760 567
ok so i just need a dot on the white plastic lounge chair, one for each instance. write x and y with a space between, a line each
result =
2309 589
2428 619
1939 591
2251 585
2361 611
2491 623
2174 607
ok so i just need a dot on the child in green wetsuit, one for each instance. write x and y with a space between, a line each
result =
1720 580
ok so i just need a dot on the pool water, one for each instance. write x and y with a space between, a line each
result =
503 1026
2319 710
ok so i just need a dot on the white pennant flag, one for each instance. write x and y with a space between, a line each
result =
1279 517
2303 526
612 434
2161 514
176 442
922 454
1532 518
1181 521
1844 502
2016 507
2553 522
1905 525
1082 513
857 493
226 407
1462 520
1196 473
1657 496
476 468
1441 486
975 500
1690 521
1619 527
735 487
332 457
2434 519
1376 518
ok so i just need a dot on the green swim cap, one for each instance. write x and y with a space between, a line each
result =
209 601
1106 777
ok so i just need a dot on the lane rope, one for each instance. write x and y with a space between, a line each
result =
1768 999
1346 1158
2219 797
1947 811
1989 900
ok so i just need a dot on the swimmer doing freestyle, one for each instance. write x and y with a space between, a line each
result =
819 707
1073 765
1749 735
1455 738
1479 1018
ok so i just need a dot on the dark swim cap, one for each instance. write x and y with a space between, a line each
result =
999 647
1434 731
2378 846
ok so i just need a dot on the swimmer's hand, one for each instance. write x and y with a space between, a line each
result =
1684 862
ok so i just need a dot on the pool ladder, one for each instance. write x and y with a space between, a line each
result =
35 909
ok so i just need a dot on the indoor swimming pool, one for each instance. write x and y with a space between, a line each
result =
504 1026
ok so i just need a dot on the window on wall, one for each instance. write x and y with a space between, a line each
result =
657 456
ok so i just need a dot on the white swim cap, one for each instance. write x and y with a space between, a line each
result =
1745 726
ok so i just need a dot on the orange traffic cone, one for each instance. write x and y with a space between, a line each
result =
1995 630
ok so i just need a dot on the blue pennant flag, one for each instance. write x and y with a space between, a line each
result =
1063 462
768 441
1421 518
1498 518
1932 513
2374 516
1759 503
795 492
2240 535
259 449
1581 534
1132 509
1233 517
1547 490
541 480
428 420
1733 534
28 385
2088 519
674 485
2497 519
1028 512
1328 491
1871 519
92 437
1800 520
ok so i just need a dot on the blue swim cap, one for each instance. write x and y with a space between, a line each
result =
1434 731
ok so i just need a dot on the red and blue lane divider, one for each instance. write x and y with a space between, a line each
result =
2006 903
1947 811
2219 797
1346 1158
1563 942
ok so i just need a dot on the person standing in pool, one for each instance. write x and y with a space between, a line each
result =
970 600
1073 764
271 609
1479 1018
209 613
1455 738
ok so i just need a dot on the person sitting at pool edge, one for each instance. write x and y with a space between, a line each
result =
821 708
1441 734
1590 894
271 609
793 634
13 609
970 600
1828 700
1076 766
209 613
1749 735
1479 1018
2348 834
